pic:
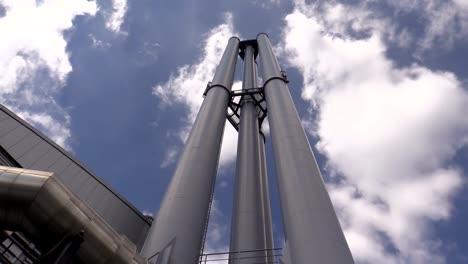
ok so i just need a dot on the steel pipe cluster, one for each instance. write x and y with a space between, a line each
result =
312 231
251 212
40 205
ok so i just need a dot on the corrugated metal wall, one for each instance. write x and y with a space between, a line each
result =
32 150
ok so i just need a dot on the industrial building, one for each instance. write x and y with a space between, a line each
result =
55 210
34 167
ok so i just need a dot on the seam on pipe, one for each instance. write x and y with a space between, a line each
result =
274 78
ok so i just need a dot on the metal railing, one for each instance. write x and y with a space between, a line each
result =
261 256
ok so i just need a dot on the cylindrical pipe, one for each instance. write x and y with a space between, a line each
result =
177 231
310 223
269 243
247 230
265 190
39 205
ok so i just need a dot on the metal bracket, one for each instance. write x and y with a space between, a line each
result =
244 44
285 76
209 85
257 96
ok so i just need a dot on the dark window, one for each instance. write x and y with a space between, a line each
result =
7 160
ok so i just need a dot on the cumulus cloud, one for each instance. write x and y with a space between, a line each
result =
444 21
417 24
188 84
389 134
34 62
116 16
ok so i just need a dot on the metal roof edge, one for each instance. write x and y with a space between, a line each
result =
75 160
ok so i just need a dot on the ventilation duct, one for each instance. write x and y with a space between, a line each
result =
38 204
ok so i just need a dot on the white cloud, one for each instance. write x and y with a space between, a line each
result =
188 85
32 36
267 4
438 24
389 134
58 130
444 21
148 213
169 157
97 43
34 62
462 3
116 17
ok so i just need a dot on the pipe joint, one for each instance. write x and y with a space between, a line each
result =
282 77
209 85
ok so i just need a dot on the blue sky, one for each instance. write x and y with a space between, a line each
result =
381 87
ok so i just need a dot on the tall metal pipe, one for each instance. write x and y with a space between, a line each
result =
311 227
177 231
247 231
265 190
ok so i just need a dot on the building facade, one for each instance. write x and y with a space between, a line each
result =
24 147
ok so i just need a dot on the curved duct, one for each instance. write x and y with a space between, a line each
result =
38 204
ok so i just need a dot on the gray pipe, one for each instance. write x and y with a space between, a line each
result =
177 231
269 243
38 204
311 227
247 230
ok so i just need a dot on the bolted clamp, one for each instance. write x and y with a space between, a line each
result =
285 76
209 85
